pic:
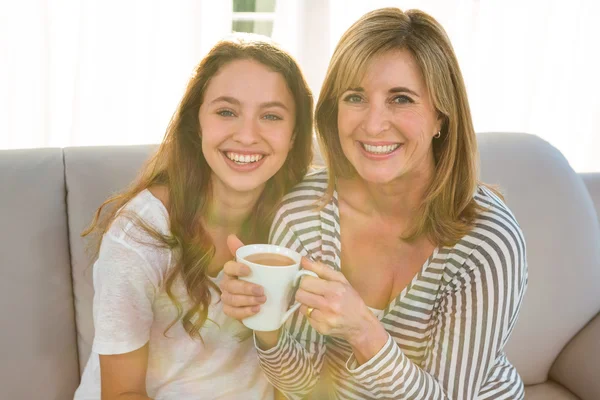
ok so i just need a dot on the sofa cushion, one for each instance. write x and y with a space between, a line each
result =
577 368
92 175
548 391
39 352
558 219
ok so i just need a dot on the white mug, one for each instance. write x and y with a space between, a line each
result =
277 281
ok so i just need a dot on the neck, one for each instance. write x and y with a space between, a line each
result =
229 209
398 200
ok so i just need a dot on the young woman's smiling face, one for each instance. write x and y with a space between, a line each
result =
247 120
386 125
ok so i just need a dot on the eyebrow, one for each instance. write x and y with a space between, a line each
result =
397 89
236 102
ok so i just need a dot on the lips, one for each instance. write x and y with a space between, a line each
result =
243 158
380 149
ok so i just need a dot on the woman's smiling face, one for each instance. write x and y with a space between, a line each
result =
386 125
247 121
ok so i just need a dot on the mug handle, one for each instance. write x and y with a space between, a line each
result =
293 309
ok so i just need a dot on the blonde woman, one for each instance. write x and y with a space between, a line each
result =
422 268
240 139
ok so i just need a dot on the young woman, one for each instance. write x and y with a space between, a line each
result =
240 139
422 268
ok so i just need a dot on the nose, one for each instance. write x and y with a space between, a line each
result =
247 132
377 119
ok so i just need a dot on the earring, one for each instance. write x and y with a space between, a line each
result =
437 135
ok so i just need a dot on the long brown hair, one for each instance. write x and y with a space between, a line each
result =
179 164
448 210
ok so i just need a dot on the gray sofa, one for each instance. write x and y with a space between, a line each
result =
49 195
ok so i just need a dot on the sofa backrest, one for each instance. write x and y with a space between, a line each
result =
560 224
38 352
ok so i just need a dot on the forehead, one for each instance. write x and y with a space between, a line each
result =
392 68
250 78
395 65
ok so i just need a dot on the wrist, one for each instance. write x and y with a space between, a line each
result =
369 340
267 339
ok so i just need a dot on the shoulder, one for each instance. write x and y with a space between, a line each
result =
133 236
145 208
300 209
304 198
496 223
160 192
495 248
312 187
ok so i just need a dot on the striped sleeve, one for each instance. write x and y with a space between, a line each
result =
293 366
475 317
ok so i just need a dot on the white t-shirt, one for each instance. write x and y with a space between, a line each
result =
132 308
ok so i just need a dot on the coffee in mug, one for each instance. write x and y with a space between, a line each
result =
277 270
270 259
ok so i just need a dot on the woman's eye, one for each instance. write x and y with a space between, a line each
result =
353 98
225 113
272 117
402 100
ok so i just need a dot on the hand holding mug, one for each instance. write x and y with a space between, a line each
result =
335 308
240 299
275 270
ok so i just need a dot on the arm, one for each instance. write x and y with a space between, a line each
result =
471 326
123 376
122 318
292 360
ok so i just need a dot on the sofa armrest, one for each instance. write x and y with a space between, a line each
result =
592 182
578 365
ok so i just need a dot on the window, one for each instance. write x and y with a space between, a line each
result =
254 16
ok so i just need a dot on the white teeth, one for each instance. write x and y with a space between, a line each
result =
243 158
380 149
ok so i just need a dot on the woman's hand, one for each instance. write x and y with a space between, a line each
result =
336 309
240 299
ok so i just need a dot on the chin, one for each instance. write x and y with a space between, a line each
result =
378 180
245 185
378 176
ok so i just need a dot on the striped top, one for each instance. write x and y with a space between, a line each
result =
447 328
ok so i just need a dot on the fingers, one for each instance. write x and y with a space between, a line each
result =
314 314
233 243
317 320
240 313
235 269
323 271
240 300
314 285
310 299
238 287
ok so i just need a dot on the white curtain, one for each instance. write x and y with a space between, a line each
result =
529 66
87 72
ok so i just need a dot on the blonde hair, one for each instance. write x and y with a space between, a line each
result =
448 209
179 164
